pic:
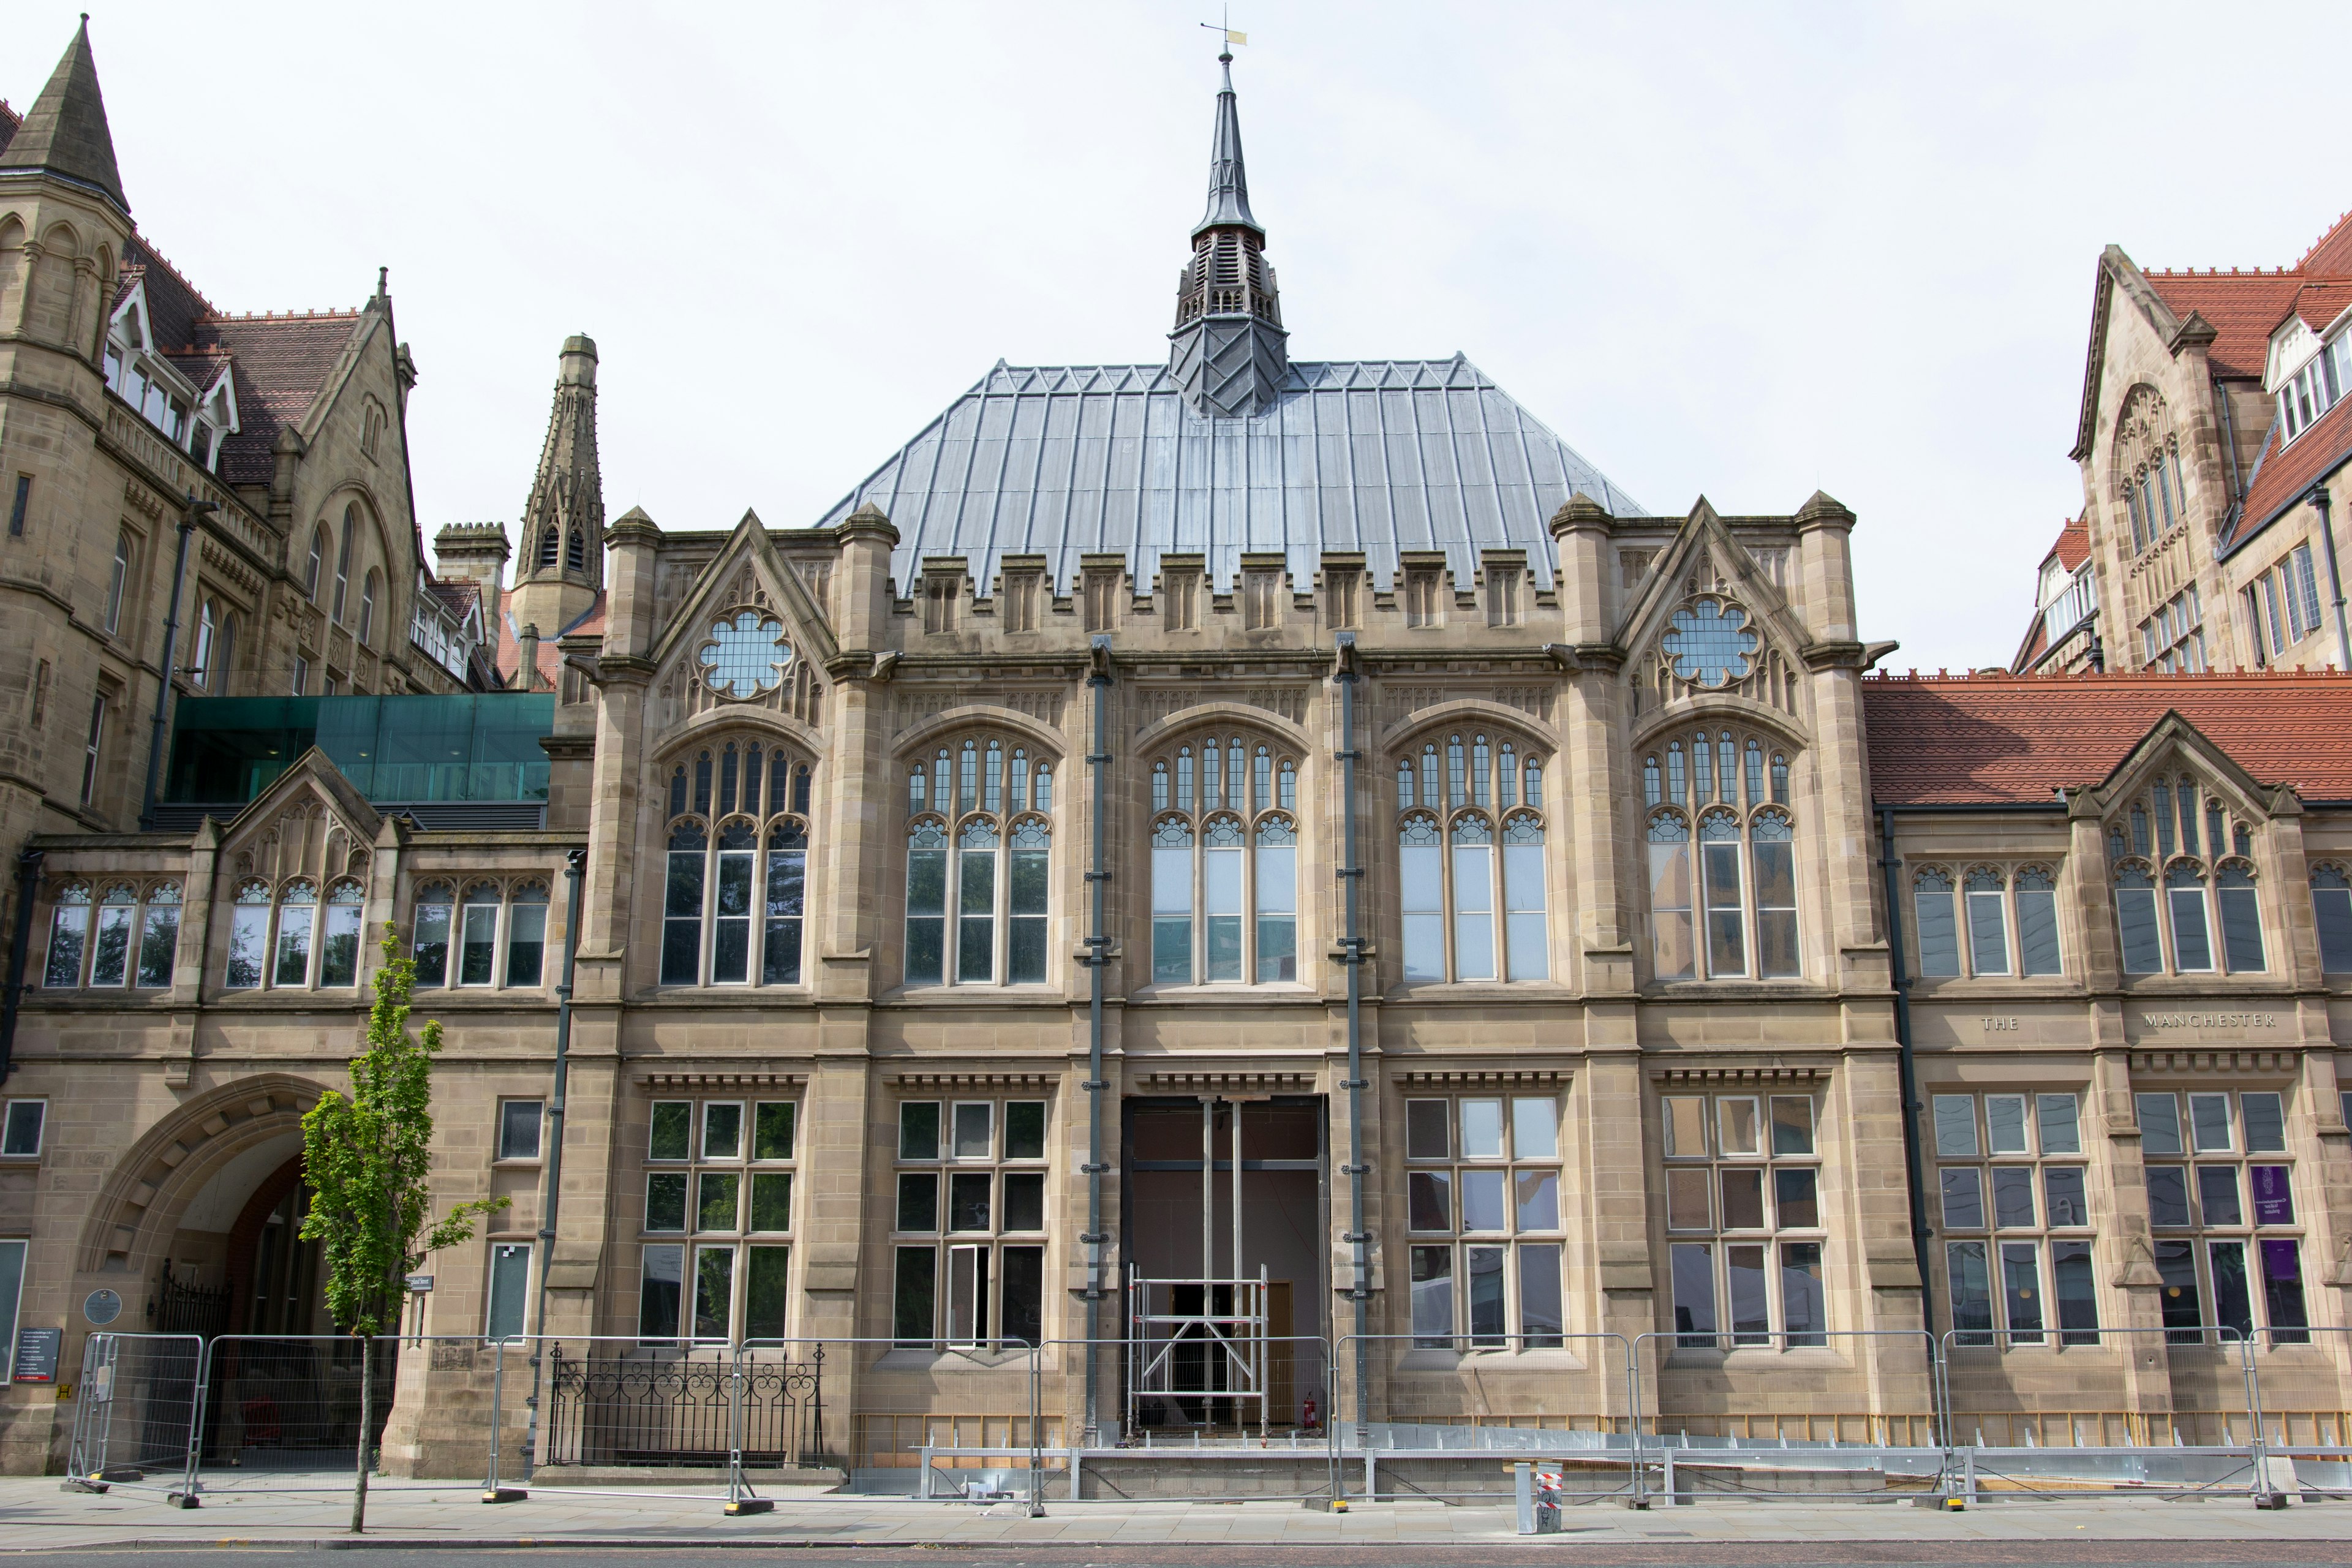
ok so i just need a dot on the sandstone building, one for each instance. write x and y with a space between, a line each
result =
2212 427
1224 819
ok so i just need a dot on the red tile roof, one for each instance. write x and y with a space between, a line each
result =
2073 545
2332 251
2243 308
1952 741
2283 474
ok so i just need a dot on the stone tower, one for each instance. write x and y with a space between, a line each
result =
560 566
1228 353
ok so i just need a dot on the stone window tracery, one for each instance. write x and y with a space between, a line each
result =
2187 901
1462 798
1224 862
735 889
2146 469
1722 858
1971 915
979 849
125 938
290 936
745 655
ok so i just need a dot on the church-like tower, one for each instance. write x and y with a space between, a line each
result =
560 568
1228 353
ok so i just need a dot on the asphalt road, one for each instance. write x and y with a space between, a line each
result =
1712 1554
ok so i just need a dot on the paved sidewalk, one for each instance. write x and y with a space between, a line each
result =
36 1516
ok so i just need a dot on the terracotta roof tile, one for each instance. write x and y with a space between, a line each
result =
2073 545
2243 309
2331 253
1946 741
2283 474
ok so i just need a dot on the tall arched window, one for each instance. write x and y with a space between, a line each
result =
979 844
1733 913
576 551
733 899
369 591
200 660
549 544
1470 913
2186 895
343 559
1224 863
316 569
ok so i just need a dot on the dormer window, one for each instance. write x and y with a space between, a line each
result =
2315 388
2184 875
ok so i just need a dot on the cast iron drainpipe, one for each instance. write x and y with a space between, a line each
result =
574 860
28 883
2317 496
1098 758
1352 878
1915 1179
193 509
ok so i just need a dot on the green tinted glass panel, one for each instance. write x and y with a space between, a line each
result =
772 1137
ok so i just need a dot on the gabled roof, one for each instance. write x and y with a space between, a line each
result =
2073 545
1989 740
1375 456
282 364
2243 308
65 134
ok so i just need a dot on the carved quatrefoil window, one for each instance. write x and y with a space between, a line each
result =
746 655
1709 644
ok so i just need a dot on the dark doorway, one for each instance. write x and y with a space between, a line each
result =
1179 1227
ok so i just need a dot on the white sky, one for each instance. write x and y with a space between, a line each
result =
1728 249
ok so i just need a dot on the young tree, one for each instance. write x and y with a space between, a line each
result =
367 1158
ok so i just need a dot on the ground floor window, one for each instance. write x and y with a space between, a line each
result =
509 1292
724 1292
1487 1297
1729 1293
968 1294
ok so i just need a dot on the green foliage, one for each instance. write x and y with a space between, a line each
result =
368 1155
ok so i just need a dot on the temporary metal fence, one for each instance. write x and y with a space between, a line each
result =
1426 1442
135 1413
626 1417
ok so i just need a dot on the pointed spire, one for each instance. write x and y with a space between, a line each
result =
563 521
1228 180
1229 355
65 132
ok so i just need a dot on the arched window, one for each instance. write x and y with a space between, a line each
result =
1224 863
200 660
576 551
316 569
1468 912
2187 839
249 935
117 582
339 948
370 590
343 559
731 917
428 945
1731 911
979 847
549 544
69 937
298 919
526 933
224 661
1994 902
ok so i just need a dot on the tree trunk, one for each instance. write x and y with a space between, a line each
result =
367 1429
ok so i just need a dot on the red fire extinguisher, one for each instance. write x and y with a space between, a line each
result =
1307 1414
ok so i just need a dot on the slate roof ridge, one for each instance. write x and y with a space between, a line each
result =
154 257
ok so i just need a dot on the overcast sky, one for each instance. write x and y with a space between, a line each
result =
1733 251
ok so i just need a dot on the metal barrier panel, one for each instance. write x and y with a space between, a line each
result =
1180 1441
282 1412
136 1409
1402 1441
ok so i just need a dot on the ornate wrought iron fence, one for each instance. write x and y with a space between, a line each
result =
683 1408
